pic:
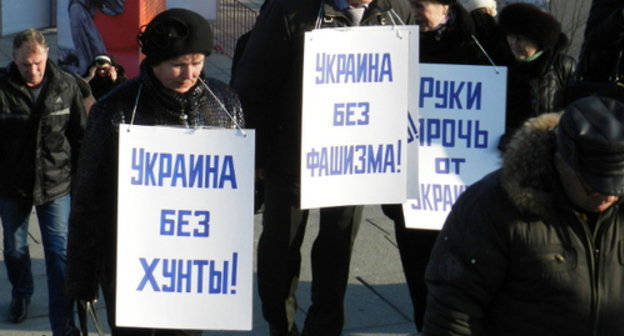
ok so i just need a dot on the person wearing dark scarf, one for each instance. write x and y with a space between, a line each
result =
542 68
170 90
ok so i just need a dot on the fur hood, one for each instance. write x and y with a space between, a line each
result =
528 174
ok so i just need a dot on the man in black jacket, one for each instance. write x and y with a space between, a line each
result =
269 82
535 248
42 121
600 70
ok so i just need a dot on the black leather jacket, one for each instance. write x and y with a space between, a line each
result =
540 84
39 141
93 221
269 73
600 59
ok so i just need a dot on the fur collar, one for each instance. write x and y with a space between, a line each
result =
528 174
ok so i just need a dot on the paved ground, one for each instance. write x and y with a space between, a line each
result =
377 299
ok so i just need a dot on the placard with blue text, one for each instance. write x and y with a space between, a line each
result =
462 117
185 228
355 103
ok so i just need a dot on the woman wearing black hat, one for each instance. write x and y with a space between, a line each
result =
542 68
169 90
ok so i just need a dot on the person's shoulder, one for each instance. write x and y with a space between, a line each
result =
567 59
60 75
564 64
220 88
120 93
400 4
215 83
294 8
82 84
484 203
120 99
489 186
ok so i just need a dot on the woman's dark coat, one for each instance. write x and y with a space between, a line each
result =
91 253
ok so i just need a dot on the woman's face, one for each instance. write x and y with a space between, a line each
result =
429 14
180 74
521 46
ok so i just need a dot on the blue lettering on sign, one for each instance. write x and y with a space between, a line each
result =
185 223
351 114
353 68
412 130
189 276
452 133
448 94
445 165
354 160
182 170
437 197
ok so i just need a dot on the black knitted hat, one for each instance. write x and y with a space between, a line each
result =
532 22
173 33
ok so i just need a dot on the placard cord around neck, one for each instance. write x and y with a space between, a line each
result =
224 108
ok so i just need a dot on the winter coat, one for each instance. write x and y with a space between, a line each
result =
39 141
454 43
92 235
604 40
515 258
539 84
602 14
270 82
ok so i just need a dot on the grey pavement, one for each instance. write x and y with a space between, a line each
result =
377 299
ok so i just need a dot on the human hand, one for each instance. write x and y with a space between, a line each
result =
91 74
112 72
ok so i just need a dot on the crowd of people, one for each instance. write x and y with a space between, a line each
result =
533 248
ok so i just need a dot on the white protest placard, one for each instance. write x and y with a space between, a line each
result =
354 116
185 228
461 120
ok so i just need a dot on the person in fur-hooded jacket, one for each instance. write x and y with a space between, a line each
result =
535 248
542 68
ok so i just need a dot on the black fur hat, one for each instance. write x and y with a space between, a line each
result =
175 32
532 22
